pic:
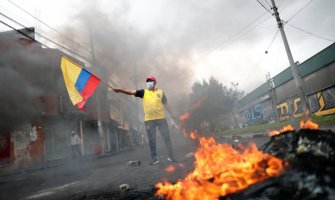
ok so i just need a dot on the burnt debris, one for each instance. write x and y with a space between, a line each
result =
310 171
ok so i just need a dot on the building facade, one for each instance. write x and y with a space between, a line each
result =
278 97
37 117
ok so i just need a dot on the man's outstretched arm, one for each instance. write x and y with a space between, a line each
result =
128 92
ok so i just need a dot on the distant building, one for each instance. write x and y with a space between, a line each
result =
278 98
37 116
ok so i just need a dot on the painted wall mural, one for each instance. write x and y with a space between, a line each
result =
321 103
254 113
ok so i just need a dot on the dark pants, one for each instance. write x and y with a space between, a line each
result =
163 128
75 151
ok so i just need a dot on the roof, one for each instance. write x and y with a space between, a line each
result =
314 63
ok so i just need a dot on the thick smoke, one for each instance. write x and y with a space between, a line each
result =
168 38
22 70
129 49
18 98
129 55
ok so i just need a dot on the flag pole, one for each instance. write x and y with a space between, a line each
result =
104 82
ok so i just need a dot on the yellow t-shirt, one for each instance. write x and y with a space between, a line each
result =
153 104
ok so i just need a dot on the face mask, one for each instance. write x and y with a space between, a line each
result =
150 85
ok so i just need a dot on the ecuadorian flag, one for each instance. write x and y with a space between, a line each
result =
80 83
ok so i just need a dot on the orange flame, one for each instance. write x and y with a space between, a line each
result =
187 114
282 130
182 119
273 132
184 116
193 135
221 170
170 168
309 125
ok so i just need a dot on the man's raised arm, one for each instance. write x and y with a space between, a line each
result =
128 92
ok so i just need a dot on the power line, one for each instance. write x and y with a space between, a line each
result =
274 37
33 39
301 9
268 3
50 40
234 36
21 32
310 33
264 6
240 33
254 28
63 35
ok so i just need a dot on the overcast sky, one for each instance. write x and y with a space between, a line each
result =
184 40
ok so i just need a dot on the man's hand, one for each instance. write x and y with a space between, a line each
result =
174 124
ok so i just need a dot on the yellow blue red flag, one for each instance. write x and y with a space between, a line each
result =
80 83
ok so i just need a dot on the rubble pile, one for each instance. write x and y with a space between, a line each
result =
309 174
310 168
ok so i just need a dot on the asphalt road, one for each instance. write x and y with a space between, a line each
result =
81 179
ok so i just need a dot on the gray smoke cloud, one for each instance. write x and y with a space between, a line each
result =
18 101
26 74
128 53
167 38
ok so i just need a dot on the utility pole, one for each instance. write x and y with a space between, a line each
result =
269 80
99 123
293 66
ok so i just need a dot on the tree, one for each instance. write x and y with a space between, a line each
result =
208 101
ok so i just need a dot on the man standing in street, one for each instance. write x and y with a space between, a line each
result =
75 145
154 101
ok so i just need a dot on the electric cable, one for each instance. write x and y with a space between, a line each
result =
33 39
301 9
268 3
237 35
50 40
310 33
274 37
61 34
22 33
264 6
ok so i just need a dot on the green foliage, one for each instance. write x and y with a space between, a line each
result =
328 120
323 121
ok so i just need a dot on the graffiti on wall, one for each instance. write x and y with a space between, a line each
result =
254 113
291 107
321 103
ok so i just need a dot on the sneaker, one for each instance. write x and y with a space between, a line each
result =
154 162
171 159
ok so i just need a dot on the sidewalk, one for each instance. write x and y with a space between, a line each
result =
82 178
12 170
